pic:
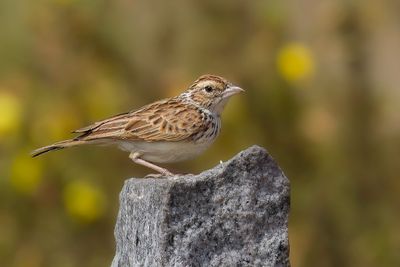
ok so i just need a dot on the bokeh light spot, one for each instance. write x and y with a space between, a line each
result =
295 62
10 113
83 201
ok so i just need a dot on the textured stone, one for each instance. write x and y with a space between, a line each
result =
235 214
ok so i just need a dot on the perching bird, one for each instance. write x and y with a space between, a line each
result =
169 130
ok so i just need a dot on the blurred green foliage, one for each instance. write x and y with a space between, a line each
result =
322 92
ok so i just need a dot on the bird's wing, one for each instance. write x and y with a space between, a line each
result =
165 120
120 117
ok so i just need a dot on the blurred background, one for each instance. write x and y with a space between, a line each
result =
322 95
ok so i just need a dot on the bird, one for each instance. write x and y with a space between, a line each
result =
169 130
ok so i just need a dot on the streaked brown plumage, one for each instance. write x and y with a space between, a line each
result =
169 130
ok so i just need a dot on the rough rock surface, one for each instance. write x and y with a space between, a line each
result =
235 214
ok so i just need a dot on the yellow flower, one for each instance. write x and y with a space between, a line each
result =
84 202
295 62
26 174
10 113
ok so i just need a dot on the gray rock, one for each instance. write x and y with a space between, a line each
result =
235 214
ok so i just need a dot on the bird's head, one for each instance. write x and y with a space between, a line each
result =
212 92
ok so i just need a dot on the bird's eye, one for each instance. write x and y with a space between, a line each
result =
208 88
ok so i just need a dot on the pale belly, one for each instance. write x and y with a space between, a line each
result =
165 152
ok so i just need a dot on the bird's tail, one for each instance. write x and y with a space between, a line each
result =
57 146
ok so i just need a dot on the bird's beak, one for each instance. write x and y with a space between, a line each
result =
232 90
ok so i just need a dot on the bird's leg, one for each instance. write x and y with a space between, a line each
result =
135 157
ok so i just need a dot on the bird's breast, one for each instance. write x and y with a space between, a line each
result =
210 132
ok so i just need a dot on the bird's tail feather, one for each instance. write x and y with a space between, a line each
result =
57 146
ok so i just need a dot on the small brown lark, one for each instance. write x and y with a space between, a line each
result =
169 130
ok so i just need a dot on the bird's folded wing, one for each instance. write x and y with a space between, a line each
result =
160 121
94 126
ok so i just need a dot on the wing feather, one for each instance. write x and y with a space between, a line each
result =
165 120
116 118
